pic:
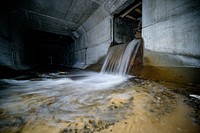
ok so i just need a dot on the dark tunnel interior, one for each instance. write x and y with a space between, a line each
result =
99 66
44 48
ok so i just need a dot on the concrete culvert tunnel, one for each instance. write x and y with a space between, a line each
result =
130 66
45 49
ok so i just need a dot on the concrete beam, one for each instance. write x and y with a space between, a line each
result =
131 9
130 17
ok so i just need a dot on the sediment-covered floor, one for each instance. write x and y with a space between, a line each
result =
82 101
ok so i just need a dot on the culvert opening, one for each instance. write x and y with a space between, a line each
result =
125 55
45 49
128 23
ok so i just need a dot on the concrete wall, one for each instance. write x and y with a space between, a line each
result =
11 54
5 53
94 37
94 40
171 32
11 44
5 49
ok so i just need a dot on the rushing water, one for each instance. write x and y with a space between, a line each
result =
78 101
83 101
120 56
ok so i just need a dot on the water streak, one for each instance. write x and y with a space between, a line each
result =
120 57
82 101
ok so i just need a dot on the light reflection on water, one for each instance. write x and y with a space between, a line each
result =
62 99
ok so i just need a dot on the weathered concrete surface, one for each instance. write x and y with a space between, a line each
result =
94 37
94 40
81 19
115 6
171 33
97 52
172 27
153 58
183 75
102 32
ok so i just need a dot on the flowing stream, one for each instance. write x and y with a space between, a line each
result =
83 101
79 101
119 57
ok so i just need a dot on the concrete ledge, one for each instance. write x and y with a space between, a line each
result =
182 75
169 67
152 58
79 65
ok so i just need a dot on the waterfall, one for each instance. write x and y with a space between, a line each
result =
119 57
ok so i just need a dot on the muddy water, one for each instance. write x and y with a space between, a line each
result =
80 101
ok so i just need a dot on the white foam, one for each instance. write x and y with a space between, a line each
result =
195 96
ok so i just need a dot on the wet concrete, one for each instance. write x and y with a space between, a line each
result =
183 75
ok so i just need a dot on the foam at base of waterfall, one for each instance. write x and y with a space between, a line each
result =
84 81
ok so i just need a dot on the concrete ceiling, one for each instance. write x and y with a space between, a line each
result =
58 16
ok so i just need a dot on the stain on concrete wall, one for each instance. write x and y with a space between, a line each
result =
172 27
